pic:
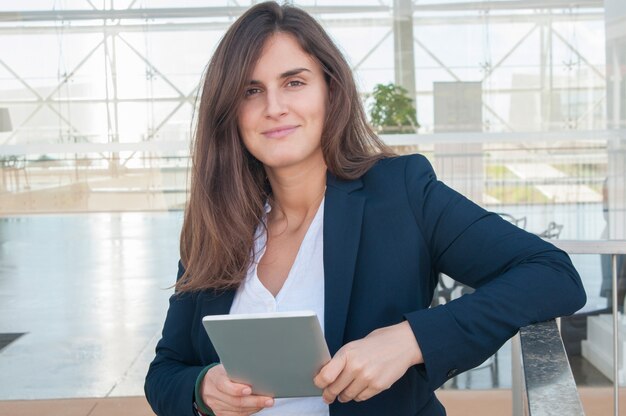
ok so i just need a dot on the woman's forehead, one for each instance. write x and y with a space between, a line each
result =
282 53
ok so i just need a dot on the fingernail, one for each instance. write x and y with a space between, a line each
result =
269 402
246 391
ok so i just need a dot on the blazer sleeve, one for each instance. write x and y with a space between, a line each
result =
519 278
172 375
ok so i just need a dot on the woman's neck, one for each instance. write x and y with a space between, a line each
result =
296 194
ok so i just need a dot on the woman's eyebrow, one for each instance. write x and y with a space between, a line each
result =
284 75
293 72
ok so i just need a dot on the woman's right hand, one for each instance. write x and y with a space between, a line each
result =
227 398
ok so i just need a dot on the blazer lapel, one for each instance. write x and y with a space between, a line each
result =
343 215
217 302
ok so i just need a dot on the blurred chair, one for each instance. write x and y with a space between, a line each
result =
519 222
553 230
12 167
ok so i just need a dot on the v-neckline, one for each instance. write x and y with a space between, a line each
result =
296 262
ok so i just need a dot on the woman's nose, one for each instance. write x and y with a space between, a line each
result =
276 105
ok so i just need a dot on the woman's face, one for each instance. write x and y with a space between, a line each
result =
283 111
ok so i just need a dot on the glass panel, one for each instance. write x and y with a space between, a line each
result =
101 115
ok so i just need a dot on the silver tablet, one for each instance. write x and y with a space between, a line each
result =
278 354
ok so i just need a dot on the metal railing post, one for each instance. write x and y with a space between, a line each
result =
548 379
613 248
517 383
615 335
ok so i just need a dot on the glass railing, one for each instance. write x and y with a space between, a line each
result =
543 176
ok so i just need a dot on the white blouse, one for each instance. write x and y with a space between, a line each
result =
303 290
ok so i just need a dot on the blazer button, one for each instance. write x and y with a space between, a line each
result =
453 372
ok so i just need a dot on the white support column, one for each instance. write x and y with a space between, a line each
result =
404 60
615 29
458 108
616 115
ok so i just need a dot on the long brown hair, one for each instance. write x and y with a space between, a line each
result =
228 185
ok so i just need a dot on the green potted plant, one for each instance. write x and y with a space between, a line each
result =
392 110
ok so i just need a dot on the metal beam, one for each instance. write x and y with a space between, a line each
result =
164 13
434 58
20 79
509 5
81 100
230 11
497 116
151 66
573 49
26 120
67 77
93 6
63 118
418 20
390 139
112 122
589 111
191 98
169 116
372 50
546 75
509 53
41 102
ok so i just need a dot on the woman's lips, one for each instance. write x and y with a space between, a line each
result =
279 132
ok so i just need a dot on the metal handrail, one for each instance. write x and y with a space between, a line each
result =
612 247
540 366
548 380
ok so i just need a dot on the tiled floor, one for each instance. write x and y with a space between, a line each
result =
126 406
596 402
89 292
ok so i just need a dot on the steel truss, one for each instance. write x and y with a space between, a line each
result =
114 23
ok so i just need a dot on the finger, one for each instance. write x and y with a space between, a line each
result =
224 385
366 394
336 387
236 395
225 408
247 403
217 377
329 373
353 390
239 413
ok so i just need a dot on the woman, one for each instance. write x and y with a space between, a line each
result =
296 204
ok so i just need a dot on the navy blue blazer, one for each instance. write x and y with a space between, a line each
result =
387 236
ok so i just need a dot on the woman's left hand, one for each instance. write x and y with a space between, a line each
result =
363 368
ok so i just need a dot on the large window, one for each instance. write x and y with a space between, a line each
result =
520 106
100 95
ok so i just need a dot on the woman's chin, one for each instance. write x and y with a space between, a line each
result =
290 162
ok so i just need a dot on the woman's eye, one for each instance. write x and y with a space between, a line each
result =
252 91
295 83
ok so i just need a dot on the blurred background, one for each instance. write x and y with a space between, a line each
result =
519 105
